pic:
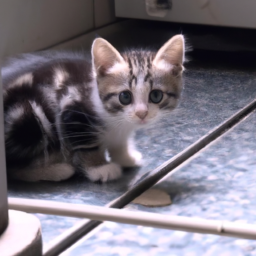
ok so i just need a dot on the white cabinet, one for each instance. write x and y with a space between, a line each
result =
234 13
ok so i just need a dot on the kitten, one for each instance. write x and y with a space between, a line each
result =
63 112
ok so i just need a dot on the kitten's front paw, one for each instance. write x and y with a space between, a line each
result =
105 172
131 159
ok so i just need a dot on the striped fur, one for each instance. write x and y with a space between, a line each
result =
62 111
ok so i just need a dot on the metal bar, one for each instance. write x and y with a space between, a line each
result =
196 225
148 180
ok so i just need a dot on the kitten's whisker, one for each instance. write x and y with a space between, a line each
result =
89 132
74 123
85 142
74 136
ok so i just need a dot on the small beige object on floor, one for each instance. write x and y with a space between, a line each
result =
22 236
153 198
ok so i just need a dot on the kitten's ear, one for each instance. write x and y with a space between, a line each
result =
104 56
171 55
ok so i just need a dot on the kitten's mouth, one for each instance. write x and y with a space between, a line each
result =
143 122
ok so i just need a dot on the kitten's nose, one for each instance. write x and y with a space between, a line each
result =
141 114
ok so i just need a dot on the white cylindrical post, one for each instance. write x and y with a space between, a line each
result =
189 224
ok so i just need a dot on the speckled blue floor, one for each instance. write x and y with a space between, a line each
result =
218 184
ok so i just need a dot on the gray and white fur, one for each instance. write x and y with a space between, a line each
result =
63 112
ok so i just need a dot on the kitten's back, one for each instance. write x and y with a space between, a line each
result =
29 63
34 85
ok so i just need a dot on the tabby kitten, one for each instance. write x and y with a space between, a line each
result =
63 112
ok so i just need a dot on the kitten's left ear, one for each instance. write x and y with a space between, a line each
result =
104 56
171 55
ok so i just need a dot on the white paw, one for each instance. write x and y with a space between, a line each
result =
105 172
131 159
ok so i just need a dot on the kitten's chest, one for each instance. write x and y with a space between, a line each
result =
115 135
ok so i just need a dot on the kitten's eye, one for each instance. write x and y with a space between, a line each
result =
156 96
125 97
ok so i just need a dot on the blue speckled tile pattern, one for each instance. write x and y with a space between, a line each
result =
52 226
128 240
219 184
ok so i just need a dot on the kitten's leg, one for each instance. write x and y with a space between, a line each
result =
92 164
125 154
53 172
80 128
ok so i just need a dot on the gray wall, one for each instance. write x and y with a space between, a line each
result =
28 25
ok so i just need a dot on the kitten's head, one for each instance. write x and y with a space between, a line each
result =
139 86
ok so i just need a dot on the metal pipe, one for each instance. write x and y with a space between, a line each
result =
196 225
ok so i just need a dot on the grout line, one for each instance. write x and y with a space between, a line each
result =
156 220
148 180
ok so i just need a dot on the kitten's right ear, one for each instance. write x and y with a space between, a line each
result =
104 56
171 55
